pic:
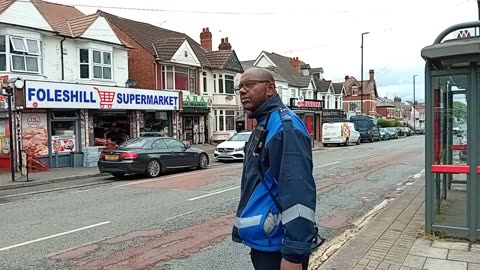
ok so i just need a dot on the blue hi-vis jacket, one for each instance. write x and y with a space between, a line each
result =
286 162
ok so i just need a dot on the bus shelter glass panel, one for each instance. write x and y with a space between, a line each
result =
449 168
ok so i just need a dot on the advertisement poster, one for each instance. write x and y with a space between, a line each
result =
63 144
35 133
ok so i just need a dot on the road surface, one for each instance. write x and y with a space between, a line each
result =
183 220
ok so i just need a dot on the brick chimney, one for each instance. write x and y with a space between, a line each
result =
295 63
347 77
225 45
372 75
206 39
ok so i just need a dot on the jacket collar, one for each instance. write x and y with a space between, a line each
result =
271 104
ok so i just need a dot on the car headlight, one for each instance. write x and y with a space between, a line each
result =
239 149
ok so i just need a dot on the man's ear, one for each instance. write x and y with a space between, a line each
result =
271 89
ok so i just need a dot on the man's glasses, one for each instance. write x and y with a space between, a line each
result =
248 85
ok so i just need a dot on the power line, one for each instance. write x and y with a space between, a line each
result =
165 10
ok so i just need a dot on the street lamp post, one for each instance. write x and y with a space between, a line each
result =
361 74
414 105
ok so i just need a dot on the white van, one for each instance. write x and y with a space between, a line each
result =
340 133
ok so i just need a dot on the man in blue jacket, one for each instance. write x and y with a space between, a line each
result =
276 212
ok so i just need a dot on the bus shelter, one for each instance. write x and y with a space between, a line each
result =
452 114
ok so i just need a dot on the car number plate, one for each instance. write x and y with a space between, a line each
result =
111 157
326 139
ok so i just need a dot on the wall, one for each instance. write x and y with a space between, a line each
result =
53 64
141 64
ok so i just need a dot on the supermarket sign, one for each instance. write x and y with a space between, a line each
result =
39 94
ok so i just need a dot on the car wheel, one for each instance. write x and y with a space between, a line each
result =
153 168
359 141
202 161
119 175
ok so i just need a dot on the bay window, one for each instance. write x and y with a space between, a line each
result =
224 83
179 78
98 63
224 120
25 54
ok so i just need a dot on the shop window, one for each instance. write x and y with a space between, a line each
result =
193 81
181 78
97 62
24 54
111 128
155 123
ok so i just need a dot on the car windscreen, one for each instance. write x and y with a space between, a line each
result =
240 137
134 143
362 124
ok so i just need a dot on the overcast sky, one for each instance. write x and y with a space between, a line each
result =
322 33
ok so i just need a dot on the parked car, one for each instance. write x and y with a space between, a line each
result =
384 134
233 148
151 156
406 131
342 133
367 126
393 132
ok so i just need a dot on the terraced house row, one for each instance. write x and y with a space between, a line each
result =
93 81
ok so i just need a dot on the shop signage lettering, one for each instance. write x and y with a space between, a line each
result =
309 104
77 96
195 101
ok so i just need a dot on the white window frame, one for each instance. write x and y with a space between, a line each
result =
91 65
102 65
221 78
172 69
204 83
355 90
223 114
26 53
5 53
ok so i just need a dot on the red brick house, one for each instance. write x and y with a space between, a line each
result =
352 101
386 108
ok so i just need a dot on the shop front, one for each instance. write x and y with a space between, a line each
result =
66 125
309 111
195 118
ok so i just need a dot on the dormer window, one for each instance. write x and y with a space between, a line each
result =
355 91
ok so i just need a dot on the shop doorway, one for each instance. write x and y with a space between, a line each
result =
191 127
111 128
64 137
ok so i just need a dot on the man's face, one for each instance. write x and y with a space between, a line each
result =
254 91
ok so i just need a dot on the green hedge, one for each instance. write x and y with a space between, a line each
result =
389 123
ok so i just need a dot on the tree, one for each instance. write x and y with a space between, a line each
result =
460 110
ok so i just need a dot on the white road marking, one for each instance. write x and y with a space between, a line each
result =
54 235
181 215
213 193
326 165
174 176
54 189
